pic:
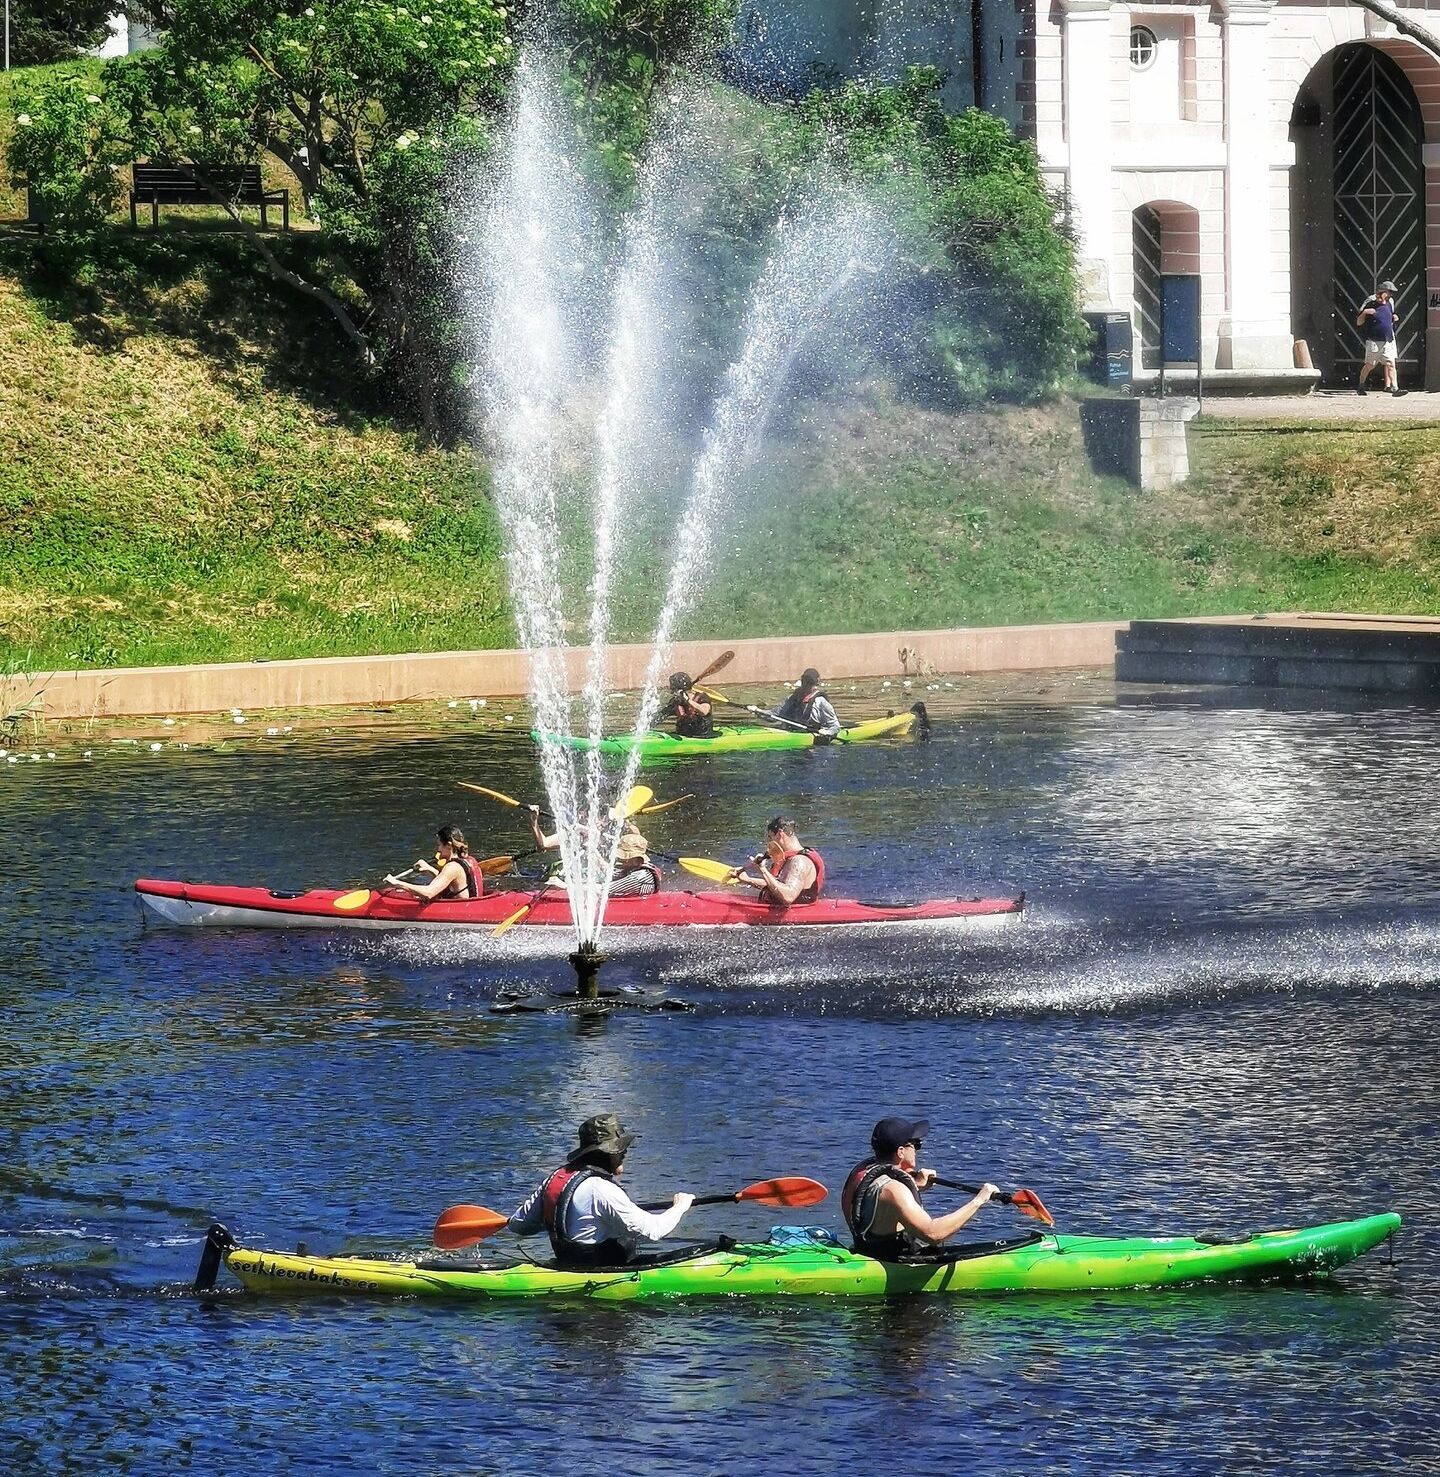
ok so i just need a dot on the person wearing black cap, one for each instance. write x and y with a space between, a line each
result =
1378 322
881 1198
690 709
810 708
590 1220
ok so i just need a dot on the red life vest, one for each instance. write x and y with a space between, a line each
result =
474 877
811 893
859 1201
555 1197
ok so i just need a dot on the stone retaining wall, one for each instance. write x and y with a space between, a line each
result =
354 681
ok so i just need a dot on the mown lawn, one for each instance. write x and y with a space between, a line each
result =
192 468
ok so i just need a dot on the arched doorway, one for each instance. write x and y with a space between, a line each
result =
1165 237
1357 208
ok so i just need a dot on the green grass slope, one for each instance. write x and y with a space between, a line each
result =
191 470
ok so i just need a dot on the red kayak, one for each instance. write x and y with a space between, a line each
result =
194 904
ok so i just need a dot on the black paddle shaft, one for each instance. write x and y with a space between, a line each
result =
730 1199
999 1195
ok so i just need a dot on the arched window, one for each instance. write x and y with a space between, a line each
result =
1142 47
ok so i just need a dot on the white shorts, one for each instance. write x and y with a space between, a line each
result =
1379 353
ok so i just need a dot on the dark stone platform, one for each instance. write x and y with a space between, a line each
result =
1355 653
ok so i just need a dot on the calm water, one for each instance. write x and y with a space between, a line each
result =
1220 1013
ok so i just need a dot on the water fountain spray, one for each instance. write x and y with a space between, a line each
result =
544 245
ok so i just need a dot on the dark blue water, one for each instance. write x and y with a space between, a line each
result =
1221 1013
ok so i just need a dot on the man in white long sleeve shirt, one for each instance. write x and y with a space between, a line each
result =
590 1220
808 707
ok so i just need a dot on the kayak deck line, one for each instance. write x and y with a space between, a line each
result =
186 904
810 1262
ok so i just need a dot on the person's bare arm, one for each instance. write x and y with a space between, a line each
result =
437 884
934 1229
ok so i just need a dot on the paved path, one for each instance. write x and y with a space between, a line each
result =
1325 405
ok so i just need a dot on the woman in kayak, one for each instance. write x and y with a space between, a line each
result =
788 871
635 875
881 1198
455 873
809 708
691 710
590 1220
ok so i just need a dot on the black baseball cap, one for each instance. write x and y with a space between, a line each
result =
890 1133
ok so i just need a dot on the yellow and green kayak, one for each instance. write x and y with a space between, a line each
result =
746 736
803 1262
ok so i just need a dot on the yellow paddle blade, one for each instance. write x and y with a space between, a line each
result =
702 866
352 902
665 805
493 794
718 697
513 919
639 797
495 866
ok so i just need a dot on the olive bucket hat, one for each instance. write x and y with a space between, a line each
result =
602 1134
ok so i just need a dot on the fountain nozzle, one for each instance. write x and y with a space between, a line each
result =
586 962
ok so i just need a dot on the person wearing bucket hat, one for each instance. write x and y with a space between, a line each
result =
810 708
590 1220
1378 322
691 710
634 874
881 1198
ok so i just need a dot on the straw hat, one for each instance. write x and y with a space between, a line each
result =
632 846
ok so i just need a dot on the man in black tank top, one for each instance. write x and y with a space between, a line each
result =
881 1198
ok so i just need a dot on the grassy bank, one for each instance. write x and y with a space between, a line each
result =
191 470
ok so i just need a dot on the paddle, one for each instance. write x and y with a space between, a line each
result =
1027 1202
352 902
769 717
664 805
463 1225
639 797
497 866
496 795
723 660
519 913
702 866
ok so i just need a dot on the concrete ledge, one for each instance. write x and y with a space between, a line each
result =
355 681
1343 652
1220 382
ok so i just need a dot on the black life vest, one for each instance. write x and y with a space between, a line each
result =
860 1199
796 709
690 722
555 1197
812 893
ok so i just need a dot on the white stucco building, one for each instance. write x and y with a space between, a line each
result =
1287 151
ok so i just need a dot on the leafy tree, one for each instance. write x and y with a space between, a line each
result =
617 51
44 31
989 265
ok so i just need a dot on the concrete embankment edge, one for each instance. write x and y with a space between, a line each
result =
356 681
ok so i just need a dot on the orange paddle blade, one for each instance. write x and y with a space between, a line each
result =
352 902
464 1225
495 866
790 1190
1027 1202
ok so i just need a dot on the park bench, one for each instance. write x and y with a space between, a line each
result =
176 184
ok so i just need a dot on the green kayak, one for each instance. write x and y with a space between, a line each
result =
751 736
802 1262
